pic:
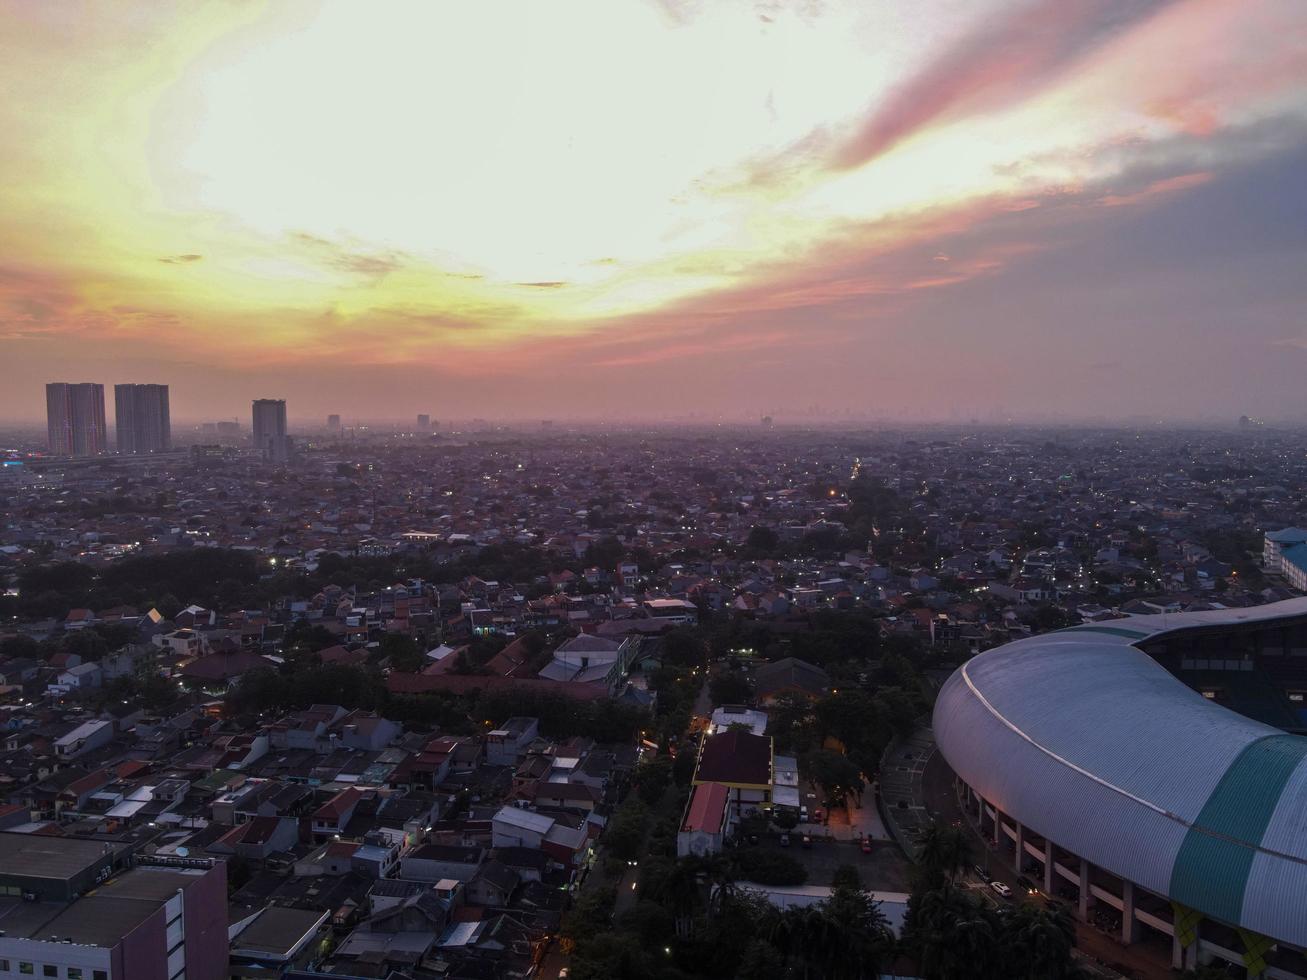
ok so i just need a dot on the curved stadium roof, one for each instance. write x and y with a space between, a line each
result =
1095 746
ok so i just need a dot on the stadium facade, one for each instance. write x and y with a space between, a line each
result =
1153 766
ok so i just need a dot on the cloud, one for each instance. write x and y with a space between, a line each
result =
1006 60
184 259
346 257
1167 185
551 284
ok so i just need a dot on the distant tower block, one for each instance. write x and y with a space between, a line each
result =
333 423
424 423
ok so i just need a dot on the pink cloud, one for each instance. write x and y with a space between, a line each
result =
1002 63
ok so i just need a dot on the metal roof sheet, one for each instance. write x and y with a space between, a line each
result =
1091 743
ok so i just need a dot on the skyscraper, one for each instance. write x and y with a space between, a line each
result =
142 419
270 439
424 423
333 423
75 419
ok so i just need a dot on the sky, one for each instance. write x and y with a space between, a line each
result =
623 209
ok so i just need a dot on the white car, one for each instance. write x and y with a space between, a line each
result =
1001 888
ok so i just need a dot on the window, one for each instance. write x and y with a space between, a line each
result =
4 966
26 969
74 973
100 975
49 971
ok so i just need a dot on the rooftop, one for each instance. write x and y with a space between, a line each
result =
38 856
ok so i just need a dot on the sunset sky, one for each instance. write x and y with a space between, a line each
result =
600 208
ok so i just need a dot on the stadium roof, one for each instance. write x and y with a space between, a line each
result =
1094 745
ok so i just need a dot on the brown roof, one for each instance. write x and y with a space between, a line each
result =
735 757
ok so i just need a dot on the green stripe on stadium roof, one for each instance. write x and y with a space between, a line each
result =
1211 868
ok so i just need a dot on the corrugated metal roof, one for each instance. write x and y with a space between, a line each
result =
1091 743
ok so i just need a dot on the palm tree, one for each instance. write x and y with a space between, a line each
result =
948 932
1042 940
684 895
944 850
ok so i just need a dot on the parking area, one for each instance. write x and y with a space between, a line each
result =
884 869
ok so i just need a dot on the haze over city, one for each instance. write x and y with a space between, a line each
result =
1038 209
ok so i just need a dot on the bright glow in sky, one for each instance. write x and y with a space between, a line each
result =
583 202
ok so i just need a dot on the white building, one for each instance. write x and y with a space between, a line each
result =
84 738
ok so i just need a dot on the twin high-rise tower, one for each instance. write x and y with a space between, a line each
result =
141 416
74 416
75 419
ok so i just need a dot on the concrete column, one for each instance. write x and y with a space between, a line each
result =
1191 953
1177 952
1019 854
998 826
1082 908
1129 925
1049 873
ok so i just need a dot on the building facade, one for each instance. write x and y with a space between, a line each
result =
269 428
142 419
75 419
161 920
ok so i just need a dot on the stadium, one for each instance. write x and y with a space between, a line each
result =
1152 770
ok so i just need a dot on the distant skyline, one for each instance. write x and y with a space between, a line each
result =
621 209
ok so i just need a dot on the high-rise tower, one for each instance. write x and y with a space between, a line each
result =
142 418
75 419
270 439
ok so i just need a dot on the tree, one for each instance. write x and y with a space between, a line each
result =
944 850
946 931
403 652
834 773
653 923
761 961
87 644
591 913
762 540
847 876
624 834
768 867
858 937
16 647
683 647
1037 943
653 778
730 688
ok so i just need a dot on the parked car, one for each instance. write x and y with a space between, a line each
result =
817 816
982 874
866 846
1001 888
803 814
807 841
1028 885
785 840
